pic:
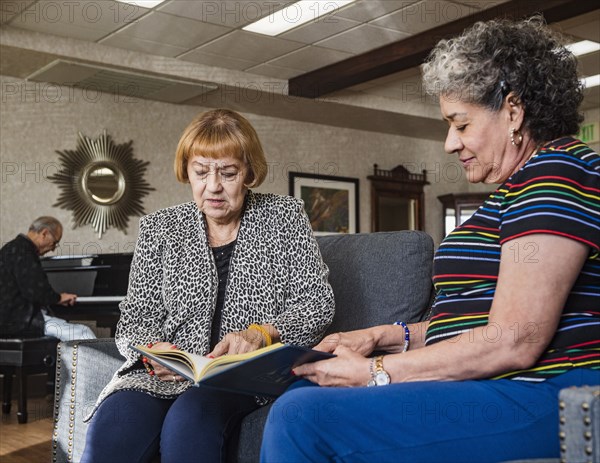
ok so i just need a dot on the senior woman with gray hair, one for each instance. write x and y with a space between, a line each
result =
515 317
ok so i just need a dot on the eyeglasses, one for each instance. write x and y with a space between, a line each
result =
55 242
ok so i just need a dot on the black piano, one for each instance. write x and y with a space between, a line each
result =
99 280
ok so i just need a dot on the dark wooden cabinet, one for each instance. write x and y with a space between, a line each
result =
397 199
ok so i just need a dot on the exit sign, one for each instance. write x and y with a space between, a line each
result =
589 133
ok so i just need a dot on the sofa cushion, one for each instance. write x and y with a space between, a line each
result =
378 278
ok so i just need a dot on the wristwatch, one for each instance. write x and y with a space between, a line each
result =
379 377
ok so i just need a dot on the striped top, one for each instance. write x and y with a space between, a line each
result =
556 192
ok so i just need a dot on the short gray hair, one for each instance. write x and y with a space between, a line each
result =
45 222
493 58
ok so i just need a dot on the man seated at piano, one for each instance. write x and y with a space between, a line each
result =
26 294
229 272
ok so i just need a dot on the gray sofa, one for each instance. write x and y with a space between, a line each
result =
377 278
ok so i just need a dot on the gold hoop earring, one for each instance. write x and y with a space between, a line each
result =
519 137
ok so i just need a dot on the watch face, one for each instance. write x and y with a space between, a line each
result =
382 378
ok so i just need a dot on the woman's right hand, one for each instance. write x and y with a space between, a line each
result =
363 341
161 372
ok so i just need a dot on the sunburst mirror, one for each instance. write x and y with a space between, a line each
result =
101 183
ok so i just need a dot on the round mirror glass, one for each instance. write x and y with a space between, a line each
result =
103 183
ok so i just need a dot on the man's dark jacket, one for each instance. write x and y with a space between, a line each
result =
24 290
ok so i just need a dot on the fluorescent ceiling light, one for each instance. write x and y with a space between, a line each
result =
294 15
584 47
591 81
143 3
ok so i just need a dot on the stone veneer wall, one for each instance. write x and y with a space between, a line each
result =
37 119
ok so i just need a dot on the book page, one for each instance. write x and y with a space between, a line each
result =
186 364
225 360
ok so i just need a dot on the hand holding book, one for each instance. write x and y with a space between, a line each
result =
263 372
155 368
248 340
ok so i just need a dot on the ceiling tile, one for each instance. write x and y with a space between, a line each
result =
362 39
424 15
319 29
249 46
230 13
276 72
367 10
172 30
85 20
480 4
222 61
10 9
144 46
310 58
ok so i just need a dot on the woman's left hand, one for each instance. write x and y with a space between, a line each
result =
348 368
238 342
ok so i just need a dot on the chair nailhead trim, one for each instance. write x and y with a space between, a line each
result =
71 406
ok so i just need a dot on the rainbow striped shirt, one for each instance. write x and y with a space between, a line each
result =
557 192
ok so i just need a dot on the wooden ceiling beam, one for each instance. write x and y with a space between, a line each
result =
412 51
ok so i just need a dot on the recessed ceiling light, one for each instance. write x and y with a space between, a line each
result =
294 15
143 3
584 47
591 81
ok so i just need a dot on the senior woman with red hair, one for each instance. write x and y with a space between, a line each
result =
226 273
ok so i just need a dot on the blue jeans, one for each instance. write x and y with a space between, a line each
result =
132 426
423 422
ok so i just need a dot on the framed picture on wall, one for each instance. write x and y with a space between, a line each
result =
331 202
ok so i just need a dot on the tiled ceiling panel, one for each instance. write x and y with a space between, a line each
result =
424 15
8 10
84 20
144 46
362 39
209 32
172 30
250 46
310 58
230 13
223 61
366 11
320 29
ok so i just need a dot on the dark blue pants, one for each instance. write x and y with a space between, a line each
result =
424 422
131 426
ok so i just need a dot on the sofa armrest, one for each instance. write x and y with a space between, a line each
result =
83 368
579 410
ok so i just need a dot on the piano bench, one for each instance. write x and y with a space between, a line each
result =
23 357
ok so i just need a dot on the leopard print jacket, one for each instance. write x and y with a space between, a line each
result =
276 276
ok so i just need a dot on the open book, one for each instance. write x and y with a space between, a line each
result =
263 372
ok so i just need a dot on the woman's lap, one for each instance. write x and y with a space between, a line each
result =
419 422
132 426
125 428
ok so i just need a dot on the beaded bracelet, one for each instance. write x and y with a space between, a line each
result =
406 334
264 332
